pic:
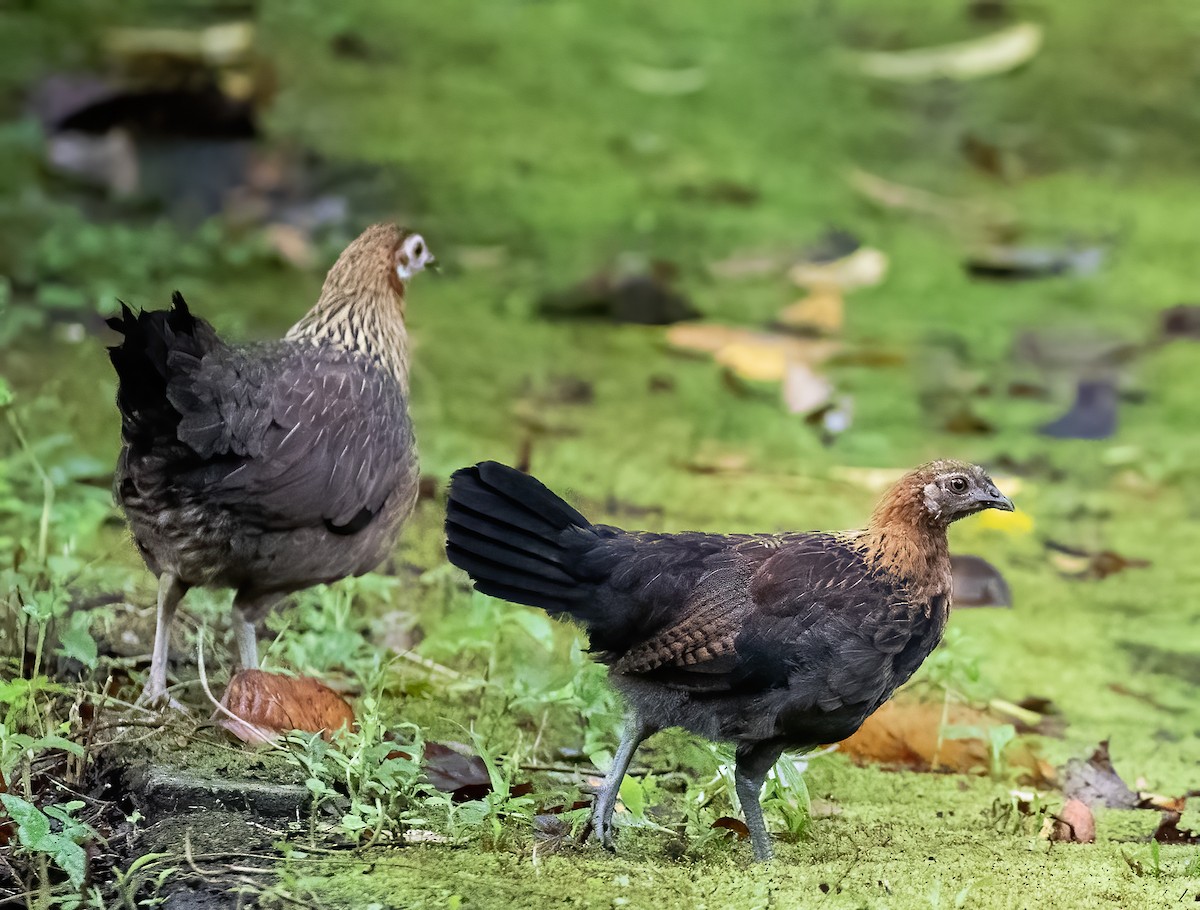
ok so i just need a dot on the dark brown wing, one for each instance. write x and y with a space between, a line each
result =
292 435
808 614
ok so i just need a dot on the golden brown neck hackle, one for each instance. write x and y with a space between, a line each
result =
361 307
906 540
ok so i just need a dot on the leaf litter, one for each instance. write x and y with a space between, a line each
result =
990 55
259 707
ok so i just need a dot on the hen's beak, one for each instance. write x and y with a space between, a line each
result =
994 499
433 265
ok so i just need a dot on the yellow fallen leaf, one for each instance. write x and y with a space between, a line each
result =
863 268
1017 522
998 52
705 337
757 356
757 362
821 311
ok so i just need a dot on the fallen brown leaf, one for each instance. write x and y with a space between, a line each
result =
1074 824
1095 782
456 771
1169 832
905 732
644 298
735 825
1181 321
266 705
1074 562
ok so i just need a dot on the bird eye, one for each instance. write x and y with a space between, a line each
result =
419 249
957 484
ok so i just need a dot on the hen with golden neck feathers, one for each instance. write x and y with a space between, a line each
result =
270 467
767 641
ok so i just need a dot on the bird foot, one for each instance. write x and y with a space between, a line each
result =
157 699
602 831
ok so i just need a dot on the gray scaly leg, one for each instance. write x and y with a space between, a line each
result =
600 823
246 612
170 592
749 775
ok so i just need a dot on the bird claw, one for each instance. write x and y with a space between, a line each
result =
601 831
159 700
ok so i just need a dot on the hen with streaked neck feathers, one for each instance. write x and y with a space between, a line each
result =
271 467
362 303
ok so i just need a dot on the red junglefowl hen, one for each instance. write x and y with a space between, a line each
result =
767 641
270 467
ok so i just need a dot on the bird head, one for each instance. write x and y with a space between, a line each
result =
950 490
411 255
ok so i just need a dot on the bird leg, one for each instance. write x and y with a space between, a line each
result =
246 610
600 822
170 592
749 774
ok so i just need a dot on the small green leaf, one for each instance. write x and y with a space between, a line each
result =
633 795
76 641
33 827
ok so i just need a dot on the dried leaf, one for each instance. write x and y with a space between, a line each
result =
1013 263
551 828
734 825
1163 803
758 356
987 156
720 192
641 299
216 45
1169 832
965 421
1182 321
898 196
1074 562
269 704
905 732
1074 824
1095 782
804 391
865 267
822 312
457 771
977 583
710 461
998 52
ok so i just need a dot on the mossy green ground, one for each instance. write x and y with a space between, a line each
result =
514 122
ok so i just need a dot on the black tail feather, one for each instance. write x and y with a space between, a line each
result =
143 361
516 539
